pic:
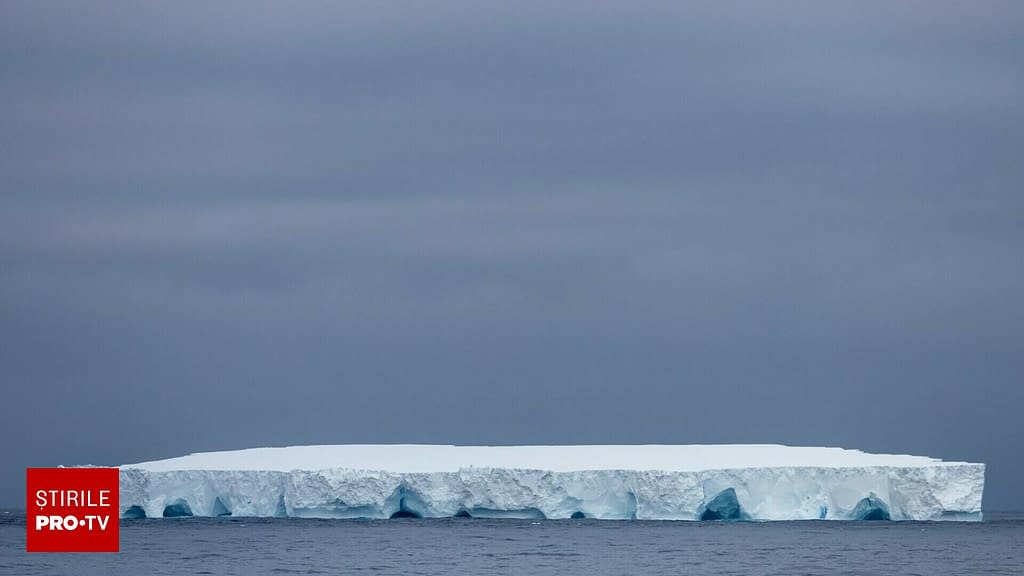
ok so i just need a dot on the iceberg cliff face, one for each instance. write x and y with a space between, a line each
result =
733 482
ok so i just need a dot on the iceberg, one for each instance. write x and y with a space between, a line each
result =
642 482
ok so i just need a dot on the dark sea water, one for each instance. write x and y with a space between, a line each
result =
473 546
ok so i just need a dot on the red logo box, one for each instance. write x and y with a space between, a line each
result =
72 510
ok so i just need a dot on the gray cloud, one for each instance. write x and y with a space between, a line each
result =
241 225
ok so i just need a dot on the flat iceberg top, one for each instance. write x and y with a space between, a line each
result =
426 458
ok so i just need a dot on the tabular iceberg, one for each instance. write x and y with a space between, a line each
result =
653 482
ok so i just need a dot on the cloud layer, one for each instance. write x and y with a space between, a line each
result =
251 224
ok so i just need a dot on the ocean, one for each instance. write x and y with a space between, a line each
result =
247 546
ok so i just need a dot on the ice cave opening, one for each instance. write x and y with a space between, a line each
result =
405 514
724 506
134 513
219 509
177 509
404 510
871 508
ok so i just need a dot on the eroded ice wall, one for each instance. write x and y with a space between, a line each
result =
939 492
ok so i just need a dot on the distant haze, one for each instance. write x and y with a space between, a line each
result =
253 224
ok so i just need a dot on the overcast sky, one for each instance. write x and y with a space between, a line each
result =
268 224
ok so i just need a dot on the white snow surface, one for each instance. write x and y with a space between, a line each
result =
676 482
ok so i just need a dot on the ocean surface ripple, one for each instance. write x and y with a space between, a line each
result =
476 546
